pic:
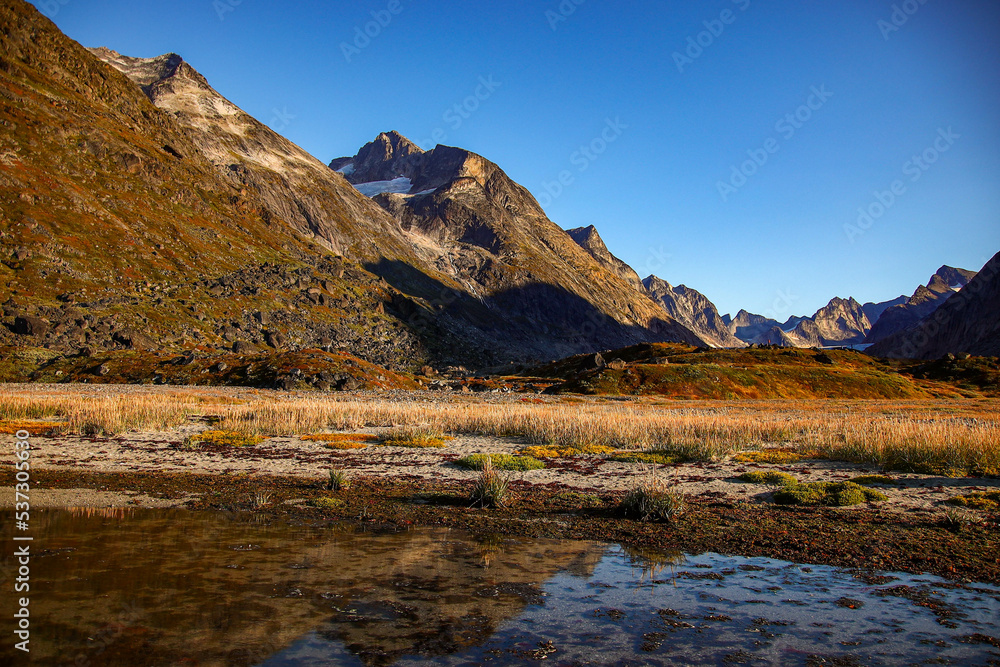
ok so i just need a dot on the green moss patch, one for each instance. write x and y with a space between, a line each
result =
831 494
989 501
869 480
500 462
768 477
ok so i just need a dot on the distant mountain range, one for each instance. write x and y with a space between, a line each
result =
143 210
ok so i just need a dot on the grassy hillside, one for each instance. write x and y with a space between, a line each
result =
679 371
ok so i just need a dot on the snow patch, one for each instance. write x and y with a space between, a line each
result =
347 169
399 185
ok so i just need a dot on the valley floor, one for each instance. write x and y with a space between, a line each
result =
137 447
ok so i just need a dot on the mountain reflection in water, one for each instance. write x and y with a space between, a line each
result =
181 588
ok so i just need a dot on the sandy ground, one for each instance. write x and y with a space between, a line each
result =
165 452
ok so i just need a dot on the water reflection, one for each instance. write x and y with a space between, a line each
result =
178 588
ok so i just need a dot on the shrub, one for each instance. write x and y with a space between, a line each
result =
500 462
491 488
769 477
338 480
412 436
225 438
833 494
652 500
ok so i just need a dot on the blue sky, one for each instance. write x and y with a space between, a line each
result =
782 240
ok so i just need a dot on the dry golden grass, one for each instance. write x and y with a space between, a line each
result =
951 437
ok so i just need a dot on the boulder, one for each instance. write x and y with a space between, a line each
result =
26 325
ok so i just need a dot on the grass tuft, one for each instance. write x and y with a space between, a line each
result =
500 462
491 489
653 500
338 480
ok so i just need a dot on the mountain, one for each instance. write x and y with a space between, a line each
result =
967 322
747 326
694 310
588 239
925 300
143 210
472 222
873 311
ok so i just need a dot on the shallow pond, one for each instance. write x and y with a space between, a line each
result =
121 587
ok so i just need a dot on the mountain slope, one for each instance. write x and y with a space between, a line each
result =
967 322
119 232
487 232
588 239
694 310
925 300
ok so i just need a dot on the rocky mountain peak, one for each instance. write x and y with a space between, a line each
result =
692 309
